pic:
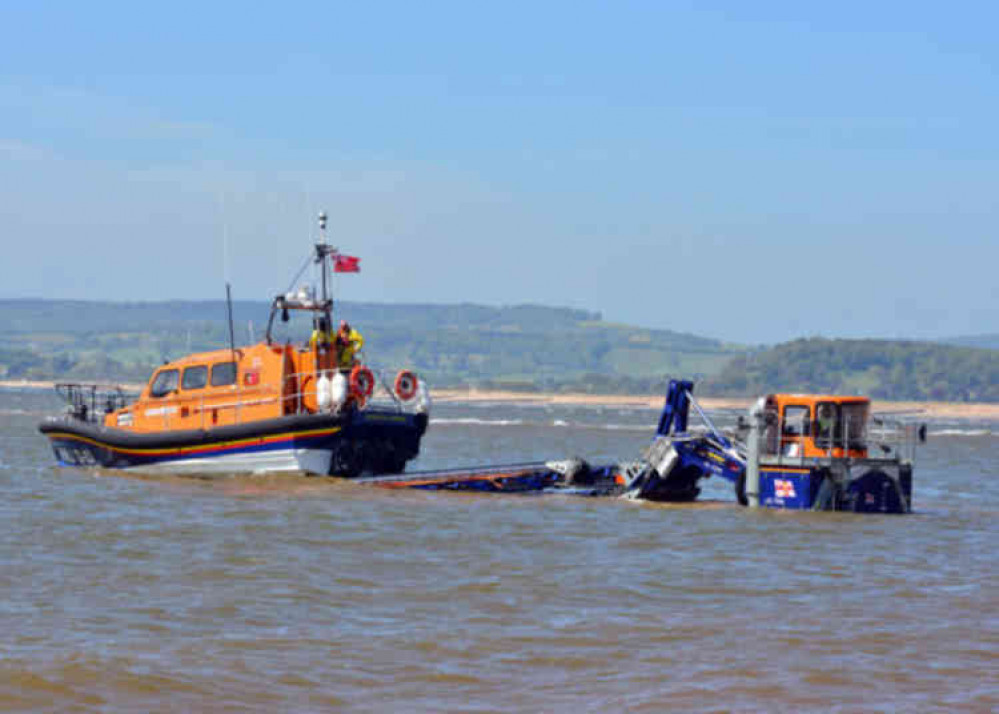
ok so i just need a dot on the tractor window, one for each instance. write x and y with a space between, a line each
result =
794 426
163 383
795 422
195 377
827 423
771 439
855 425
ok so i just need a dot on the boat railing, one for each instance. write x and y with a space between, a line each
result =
90 402
897 435
303 390
879 438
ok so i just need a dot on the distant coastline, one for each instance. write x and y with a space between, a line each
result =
518 348
937 410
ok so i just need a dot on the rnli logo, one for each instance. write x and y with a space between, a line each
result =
160 411
784 488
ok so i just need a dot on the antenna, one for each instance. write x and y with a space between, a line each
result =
228 305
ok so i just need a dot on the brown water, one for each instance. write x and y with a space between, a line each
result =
303 594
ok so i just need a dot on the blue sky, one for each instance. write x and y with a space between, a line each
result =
749 171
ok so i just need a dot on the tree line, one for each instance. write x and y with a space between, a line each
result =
525 347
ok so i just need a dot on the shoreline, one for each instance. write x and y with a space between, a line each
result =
944 410
941 410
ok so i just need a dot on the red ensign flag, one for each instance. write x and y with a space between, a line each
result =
346 264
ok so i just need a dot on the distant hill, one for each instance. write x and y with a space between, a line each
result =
878 368
522 347
988 342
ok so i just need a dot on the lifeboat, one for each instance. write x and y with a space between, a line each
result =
308 406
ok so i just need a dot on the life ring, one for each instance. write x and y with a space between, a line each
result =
406 385
362 381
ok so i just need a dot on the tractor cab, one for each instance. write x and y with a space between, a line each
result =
816 425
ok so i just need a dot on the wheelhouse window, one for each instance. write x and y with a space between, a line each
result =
828 426
163 383
796 420
195 377
794 426
855 425
223 374
771 441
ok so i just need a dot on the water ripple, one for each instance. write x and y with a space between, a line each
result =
304 594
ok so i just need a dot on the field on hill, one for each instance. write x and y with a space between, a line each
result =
522 348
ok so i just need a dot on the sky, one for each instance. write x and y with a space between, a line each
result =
755 172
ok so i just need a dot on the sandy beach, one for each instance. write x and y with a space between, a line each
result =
937 410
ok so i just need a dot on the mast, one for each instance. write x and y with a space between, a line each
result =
321 248
323 251
306 299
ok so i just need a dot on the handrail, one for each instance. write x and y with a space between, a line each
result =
90 401
901 440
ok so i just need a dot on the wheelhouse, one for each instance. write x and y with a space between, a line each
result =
815 425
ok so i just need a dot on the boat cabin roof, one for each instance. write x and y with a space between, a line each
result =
223 355
813 399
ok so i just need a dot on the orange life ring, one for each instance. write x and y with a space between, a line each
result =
362 381
406 385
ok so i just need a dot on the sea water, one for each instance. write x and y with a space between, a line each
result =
294 593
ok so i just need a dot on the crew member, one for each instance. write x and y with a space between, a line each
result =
348 342
322 335
826 421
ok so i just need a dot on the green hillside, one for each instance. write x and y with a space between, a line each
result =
878 368
525 347
989 342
